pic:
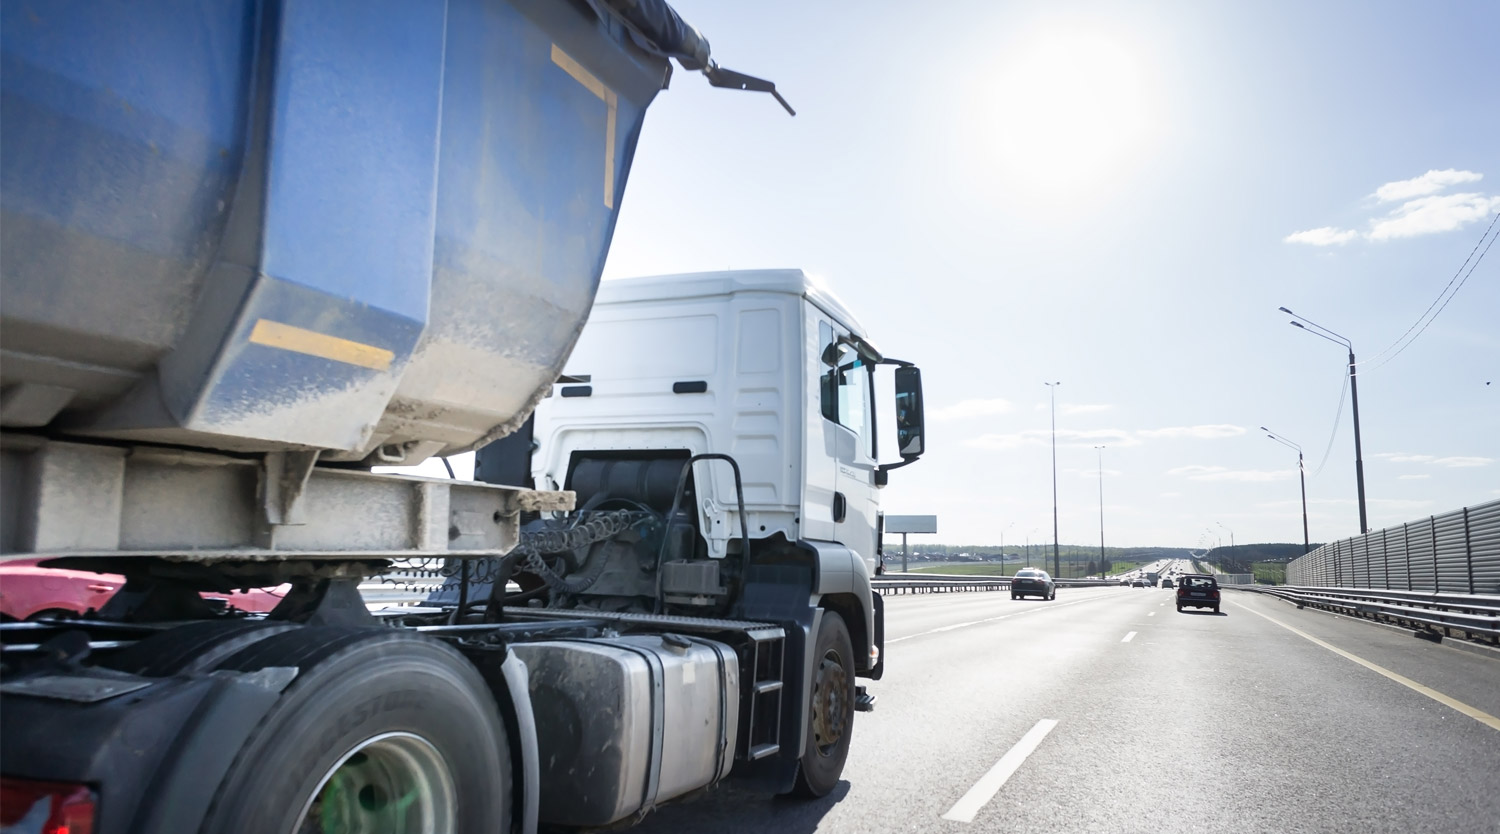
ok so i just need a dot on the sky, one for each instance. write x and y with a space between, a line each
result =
1119 197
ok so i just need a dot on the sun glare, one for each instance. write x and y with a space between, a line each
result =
1066 112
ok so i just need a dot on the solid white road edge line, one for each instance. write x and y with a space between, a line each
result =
1128 637
1053 607
1473 712
990 783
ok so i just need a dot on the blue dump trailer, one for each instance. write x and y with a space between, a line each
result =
372 229
251 250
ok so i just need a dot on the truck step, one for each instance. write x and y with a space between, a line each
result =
760 723
863 701
760 751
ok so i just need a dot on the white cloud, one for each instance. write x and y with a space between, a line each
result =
1322 236
1430 215
1412 477
1451 461
1402 504
1464 461
965 409
1246 475
998 442
1210 432
1404 457
1171 495
1093 474
1084 409
1195 470
1429 183
1043 437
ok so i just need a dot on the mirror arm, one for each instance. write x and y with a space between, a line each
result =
900 363
886 467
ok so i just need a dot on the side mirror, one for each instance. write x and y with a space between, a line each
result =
909 433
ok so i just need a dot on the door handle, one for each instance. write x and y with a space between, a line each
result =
840 507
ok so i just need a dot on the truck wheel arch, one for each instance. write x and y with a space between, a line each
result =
842 583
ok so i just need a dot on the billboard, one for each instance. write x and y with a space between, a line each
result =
911 524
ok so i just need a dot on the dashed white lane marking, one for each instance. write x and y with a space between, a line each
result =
990 783
1151 614
1477 714
1052 607
1128 637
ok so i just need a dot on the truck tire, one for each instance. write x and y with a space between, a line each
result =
381 731
191 648
830 713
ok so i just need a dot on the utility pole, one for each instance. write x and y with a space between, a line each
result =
1056 558
1359 458
1301 476
1100 450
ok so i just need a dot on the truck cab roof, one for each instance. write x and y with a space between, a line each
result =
706 284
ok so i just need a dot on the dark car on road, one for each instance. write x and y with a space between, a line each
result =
1031 582
1199 590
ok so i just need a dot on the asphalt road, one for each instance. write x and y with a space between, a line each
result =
1203 722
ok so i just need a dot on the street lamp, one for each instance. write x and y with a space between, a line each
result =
1056 559
1359 460
1301 476
1229 531
1002 546
1100 450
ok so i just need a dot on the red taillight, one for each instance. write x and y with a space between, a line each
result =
28 807
1214 593
1181 591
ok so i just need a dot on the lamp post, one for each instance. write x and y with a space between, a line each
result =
1002 546
1359 460
1056 559
1100 450
1301 476
1229 531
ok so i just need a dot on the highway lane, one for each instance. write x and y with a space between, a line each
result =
1229 722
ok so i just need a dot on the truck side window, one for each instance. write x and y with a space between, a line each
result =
854 400
845 390
828 382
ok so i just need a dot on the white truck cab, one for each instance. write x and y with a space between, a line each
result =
765 366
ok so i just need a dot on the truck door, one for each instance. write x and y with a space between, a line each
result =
847 391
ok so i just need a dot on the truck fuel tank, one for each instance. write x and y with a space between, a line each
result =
629 722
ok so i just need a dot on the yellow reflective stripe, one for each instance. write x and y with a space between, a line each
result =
605 94
296 339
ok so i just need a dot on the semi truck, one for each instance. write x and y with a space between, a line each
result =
251 252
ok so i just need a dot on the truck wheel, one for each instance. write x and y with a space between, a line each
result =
191 648
381 731
830 715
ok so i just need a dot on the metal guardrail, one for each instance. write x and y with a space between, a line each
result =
410 586
1475 616
947 583
1452 552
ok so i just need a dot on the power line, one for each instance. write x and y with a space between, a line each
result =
1338 417
1444 297
1450 296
